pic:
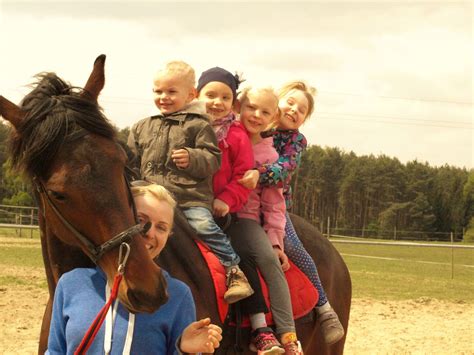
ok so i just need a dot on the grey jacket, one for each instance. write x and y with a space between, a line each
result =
154 138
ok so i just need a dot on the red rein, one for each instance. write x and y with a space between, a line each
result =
91 333
99 319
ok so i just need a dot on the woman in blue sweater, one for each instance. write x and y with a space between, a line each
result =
81 293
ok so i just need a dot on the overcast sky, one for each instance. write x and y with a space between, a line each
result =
393 78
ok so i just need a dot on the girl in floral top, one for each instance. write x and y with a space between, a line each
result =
296 104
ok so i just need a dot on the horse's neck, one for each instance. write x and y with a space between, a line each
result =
59 257
183 260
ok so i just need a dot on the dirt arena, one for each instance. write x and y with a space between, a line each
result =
422 326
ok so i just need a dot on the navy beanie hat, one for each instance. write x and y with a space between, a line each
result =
220 75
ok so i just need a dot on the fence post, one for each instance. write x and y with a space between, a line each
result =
452 256
329 224
32 216
21 222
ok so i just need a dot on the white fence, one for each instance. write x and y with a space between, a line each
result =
452 246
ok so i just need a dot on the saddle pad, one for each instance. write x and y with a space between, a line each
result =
304 295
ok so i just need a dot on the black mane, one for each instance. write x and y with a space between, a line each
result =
54 111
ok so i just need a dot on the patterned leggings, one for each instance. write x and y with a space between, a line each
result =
299 256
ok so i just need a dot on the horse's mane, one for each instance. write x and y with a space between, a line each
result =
54 113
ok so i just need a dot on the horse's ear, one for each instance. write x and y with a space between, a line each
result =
96 80
10 112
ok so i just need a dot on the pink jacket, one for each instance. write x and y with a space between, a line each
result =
237 158
266 204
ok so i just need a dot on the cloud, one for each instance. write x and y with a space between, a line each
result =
369 61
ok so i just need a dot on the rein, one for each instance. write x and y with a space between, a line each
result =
99 319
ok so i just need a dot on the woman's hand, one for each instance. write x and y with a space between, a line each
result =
285 265
201 337
219 208
250 179
180 158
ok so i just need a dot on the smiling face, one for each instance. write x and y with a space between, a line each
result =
294 109
218 98
258 109
172 92
160 214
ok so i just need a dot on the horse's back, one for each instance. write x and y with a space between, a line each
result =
183 260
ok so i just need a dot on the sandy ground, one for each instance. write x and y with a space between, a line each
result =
422 326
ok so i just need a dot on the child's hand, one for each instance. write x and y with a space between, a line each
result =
285 265
219 208
250 179
180 158
200 337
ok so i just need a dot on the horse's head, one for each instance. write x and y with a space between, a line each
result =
67 147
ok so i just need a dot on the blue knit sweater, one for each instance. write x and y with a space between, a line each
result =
80 295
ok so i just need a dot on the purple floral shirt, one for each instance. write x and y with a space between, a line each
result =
290 145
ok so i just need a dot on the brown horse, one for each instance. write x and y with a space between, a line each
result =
100 208
66 146
183 260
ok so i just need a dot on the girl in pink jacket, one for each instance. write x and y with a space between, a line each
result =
266 205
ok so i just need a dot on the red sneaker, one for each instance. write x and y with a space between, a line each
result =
264 342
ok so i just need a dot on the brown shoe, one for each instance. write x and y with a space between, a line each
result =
238 286
331 327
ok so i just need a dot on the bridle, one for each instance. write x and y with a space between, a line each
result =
95 252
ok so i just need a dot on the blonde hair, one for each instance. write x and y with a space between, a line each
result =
265 91
157 191
308 91
180 69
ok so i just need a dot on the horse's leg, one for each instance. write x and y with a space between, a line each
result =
43 341
45 246
58 258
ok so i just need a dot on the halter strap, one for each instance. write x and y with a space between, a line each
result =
94 252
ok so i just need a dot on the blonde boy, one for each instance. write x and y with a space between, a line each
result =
177 148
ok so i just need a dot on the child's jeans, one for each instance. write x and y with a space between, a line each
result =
201 220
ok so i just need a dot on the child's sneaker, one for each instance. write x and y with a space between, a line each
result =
263 341
238 286
331 327
293 348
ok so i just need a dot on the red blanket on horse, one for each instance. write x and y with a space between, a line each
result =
304 295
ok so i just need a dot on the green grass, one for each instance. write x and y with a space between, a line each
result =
403 279
29 256
421 272
22 254
25 233
22 281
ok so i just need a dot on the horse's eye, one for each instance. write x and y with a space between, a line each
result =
56 195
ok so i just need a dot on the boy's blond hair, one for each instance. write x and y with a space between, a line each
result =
180 69
157 191
308 91
266 90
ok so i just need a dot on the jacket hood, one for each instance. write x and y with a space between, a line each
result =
194 107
